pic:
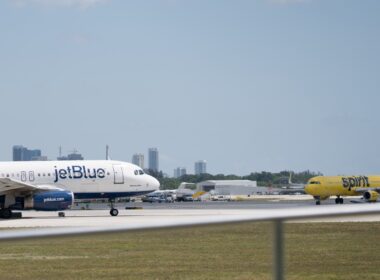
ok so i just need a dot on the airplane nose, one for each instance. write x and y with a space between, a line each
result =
155 183
307 189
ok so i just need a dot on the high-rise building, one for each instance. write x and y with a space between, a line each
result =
21 153
34 155
200 167
179 172
138 159
153 163
18 153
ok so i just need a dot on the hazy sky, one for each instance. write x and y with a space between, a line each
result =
246 85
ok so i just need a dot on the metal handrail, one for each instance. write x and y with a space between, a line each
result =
277 216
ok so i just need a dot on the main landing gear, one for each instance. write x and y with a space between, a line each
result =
339 200
6 213
113 212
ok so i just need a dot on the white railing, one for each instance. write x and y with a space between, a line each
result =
277 216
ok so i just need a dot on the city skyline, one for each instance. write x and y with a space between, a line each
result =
21 152
250 86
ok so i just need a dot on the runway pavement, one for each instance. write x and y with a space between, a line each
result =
165 214
263 202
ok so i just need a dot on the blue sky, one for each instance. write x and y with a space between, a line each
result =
246 85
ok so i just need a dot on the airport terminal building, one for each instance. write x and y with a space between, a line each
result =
230 187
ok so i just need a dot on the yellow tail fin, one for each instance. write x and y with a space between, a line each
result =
198 194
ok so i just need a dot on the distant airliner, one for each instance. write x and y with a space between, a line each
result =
295 186
322 187
53 185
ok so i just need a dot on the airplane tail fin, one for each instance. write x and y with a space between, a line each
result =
198 194
290 178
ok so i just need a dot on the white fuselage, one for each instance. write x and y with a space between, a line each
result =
86 179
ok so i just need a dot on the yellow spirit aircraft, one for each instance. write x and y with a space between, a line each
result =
322 187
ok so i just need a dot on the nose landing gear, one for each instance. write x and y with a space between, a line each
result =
317 200
6 213
113 212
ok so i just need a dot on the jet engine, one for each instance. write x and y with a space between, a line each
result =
49 201
370 196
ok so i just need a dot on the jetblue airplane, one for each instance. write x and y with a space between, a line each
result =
54 185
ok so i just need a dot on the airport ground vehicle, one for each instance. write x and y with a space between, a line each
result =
157 197
221 198
185 198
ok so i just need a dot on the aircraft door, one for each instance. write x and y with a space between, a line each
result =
31 176
23 176
118 174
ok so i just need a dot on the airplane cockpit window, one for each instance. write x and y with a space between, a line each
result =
315 183
139 172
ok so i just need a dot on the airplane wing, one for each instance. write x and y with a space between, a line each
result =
7 184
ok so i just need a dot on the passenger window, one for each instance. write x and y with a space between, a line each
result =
136 172
141 172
